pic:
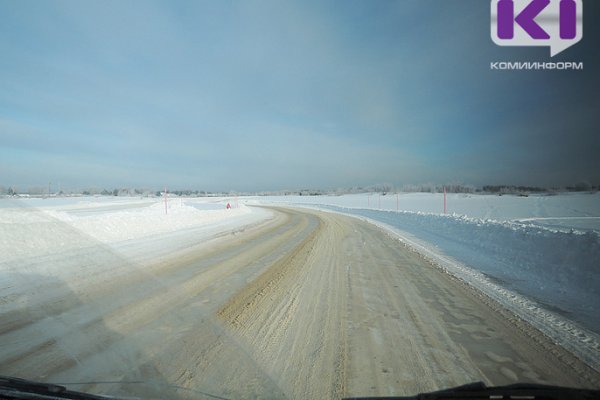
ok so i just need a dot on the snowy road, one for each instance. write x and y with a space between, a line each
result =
303 304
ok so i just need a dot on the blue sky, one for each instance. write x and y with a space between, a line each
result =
269 95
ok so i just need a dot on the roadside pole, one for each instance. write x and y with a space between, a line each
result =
445 210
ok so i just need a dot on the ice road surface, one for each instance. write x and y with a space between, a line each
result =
538 255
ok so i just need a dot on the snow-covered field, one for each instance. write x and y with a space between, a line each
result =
539 253
35 226
579 211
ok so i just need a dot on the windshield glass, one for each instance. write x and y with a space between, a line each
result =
269 199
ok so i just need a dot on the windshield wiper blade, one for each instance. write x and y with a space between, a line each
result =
16 388
520 391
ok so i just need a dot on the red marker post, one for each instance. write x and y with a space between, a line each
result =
445 210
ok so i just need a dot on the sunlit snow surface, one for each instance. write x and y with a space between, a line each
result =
35 227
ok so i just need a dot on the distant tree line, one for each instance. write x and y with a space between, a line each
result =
583 187
434 188
383 188
512 189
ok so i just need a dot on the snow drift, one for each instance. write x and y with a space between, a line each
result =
559 269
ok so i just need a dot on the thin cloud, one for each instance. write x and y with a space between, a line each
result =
267 95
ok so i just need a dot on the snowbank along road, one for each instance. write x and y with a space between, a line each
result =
302 304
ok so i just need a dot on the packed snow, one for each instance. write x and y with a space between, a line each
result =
538 255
